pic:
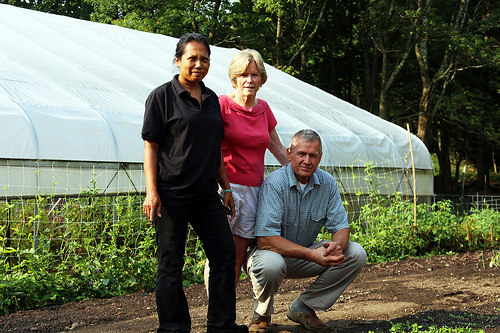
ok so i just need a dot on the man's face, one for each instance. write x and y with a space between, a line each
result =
304 159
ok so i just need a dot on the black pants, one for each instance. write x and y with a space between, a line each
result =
208 219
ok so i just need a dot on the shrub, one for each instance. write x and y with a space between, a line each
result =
388 231
92 247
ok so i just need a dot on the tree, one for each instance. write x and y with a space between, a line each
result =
394 56
300 22
472 118
172 18
453 39
73 8
427 21
432 63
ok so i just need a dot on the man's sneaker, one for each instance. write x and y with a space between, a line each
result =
259 324
309 320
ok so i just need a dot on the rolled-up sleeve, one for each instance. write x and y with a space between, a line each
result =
336 217
269 211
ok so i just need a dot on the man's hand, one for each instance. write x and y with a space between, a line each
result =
332 249
330 254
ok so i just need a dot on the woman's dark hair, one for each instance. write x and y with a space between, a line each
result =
187 38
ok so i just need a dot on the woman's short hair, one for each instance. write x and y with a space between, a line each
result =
307 135
186 39
240 62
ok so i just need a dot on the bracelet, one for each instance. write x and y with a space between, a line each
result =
225 191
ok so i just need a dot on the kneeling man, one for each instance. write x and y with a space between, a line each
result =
295 202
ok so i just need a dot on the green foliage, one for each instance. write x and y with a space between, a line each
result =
172 18
73 8
388 231
194 264
86 249
99 246
495 261
484 228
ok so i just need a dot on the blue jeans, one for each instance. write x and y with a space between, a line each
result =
208 219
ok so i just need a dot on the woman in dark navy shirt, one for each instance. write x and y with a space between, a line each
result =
182 133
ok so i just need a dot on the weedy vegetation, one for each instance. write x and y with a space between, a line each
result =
58 250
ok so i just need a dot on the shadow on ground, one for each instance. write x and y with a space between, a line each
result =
423 320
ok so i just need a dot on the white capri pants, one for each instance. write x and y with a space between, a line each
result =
245 204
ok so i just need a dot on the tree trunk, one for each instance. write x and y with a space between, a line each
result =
458 161
424 117
311 35
369 60
389 77
446 70
382 109
278 41
445 182
331 80
368 87
192 11
302 71
371 64
482 165
215 15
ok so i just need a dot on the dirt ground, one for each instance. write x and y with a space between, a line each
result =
455 291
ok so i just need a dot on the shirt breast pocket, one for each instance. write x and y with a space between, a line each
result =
318 217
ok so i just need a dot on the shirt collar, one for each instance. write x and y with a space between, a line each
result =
180 90
254 111
292 180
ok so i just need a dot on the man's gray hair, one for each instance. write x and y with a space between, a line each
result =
307 135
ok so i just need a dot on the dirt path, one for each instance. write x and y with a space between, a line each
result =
457 290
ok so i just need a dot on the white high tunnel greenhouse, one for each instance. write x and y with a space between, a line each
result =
72 96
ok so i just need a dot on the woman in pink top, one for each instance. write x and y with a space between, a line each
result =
249 127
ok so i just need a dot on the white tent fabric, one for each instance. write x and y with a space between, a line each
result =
73 90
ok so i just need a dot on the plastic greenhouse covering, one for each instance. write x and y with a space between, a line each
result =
72 92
